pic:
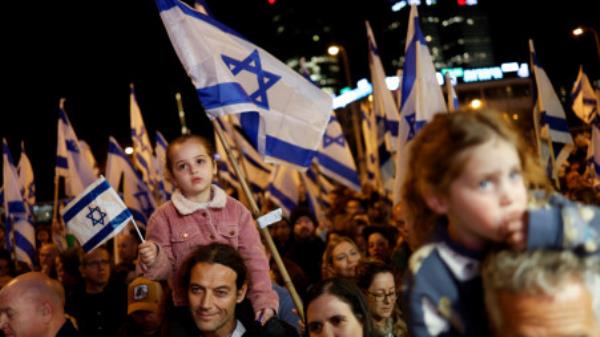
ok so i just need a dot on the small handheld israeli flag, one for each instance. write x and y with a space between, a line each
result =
96 215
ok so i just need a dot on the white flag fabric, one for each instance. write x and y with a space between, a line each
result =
142 148
335 157
585 102
282 113
96 215
71 162
550 113
369 131
256 170
284 188
136 194
421 95
452 98
383 100
26 178
310 180
19 226
165 186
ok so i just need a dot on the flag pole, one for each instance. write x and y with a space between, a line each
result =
61 105
137 229
264 231
449 98
536 121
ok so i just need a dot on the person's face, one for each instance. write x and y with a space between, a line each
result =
281 231
328 316
4 267
127 247
20 316
147 321
95 268
569 312
378 247
488 194
192 169
42 236
345 258
213 295
353 207
381 296
47 255
304 227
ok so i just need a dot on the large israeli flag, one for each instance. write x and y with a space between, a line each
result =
551 117
256 170
96 215
165 187
421 95
335 157
17 213
283 114
310 179
136 194
142 148
71 162
26 178
283 188
383 100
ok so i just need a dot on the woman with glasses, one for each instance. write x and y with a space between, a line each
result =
376 280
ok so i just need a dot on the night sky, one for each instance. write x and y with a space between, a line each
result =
89 52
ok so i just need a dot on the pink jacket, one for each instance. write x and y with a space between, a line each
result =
180 225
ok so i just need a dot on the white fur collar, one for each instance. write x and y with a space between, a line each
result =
185 206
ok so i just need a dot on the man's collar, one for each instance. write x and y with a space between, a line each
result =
239 330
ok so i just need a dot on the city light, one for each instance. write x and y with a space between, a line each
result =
476 104
333 50
129 150
577 31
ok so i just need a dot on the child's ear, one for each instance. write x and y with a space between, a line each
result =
436 201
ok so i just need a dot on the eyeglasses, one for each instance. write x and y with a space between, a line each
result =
380 297
96 264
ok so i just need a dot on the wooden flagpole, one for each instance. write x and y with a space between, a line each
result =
264 231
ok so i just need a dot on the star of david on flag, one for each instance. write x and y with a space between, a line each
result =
282 113
96 215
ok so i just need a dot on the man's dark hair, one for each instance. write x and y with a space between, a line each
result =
215 253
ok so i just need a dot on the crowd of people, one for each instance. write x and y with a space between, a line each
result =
480 245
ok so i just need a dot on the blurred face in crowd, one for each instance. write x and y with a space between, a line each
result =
213 296
381 296
95 268
378 247
4 267
353 206
568 312
127 247
47 254
345 257
42 236
304 227
281 231
147 321
327 315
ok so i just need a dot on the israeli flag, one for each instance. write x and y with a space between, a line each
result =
283 115
136 194
164 185
71 162
283 189
551 115
383 100
421 95
369 130
310 179
256 170
25 172
17 212
142 148
452 98
585 102
335 157
96 215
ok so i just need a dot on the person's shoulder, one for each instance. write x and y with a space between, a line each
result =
422 258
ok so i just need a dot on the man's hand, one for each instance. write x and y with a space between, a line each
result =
148 251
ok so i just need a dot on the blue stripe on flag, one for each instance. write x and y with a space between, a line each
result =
222 94
289 152
410 63
16 207
250 123
114 149
556 123
338 168
107 230
138 216
63 116
22 242
160 140
62 162
287 202
86 200
255 163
